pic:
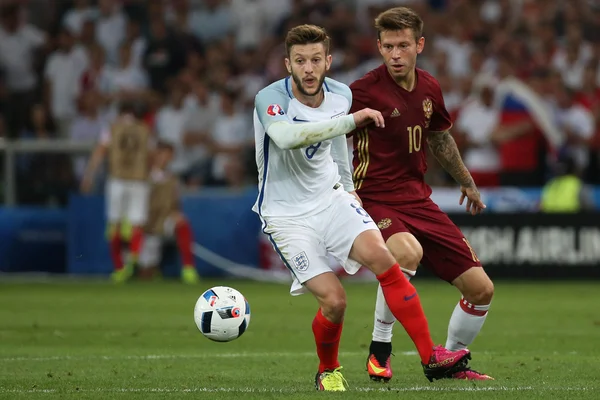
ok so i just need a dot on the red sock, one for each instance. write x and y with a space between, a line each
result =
183 235
135 245
403 301
327 337
115 250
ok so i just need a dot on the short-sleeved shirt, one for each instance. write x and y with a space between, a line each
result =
390 162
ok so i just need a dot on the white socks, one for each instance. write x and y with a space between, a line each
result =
465 323
384 319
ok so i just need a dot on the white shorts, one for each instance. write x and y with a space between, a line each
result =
127 200
305 243
151 252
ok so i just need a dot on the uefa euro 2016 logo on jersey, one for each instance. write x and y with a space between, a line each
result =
301 261
275 109
428 111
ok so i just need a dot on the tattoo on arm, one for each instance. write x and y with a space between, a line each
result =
443 147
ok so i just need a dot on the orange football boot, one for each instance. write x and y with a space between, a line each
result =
376 371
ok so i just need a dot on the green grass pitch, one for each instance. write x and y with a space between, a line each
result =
91 340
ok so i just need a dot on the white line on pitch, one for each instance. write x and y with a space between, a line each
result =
211 355
191 356
291 390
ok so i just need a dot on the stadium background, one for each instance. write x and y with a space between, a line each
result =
193 68
68 334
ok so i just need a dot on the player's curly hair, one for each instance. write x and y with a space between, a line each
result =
306 34
397 19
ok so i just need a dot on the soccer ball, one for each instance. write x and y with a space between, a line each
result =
222 314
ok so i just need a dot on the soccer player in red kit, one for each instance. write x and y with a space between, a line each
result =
300 123
389 169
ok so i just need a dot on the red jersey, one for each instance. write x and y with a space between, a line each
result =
390 163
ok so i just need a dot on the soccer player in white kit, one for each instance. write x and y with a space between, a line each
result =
309 209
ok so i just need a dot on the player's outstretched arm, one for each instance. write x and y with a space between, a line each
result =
289 136
270 107
443 147
295 136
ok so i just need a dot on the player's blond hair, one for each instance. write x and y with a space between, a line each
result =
306 34
397 19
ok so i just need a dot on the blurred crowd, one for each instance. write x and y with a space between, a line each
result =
520 77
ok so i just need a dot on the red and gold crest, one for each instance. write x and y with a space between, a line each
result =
428 111
384 223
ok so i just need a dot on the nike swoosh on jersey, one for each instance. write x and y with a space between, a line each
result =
375 368
296 119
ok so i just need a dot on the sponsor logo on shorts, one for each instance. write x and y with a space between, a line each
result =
384 223
300 261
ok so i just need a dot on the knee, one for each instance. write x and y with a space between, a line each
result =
178 218
406 249
411 257
482 294
114 230
370 251
379 258
333 307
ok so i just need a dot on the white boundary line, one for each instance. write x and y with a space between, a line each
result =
307 390
209 354
185 356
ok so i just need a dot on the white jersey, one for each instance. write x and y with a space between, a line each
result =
297 182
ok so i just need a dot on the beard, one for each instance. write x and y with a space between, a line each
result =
301 89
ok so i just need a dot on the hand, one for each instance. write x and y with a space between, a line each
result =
353 193
570 136
497 137
86 185
366 116
474 203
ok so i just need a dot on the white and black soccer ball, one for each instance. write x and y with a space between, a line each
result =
222 314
